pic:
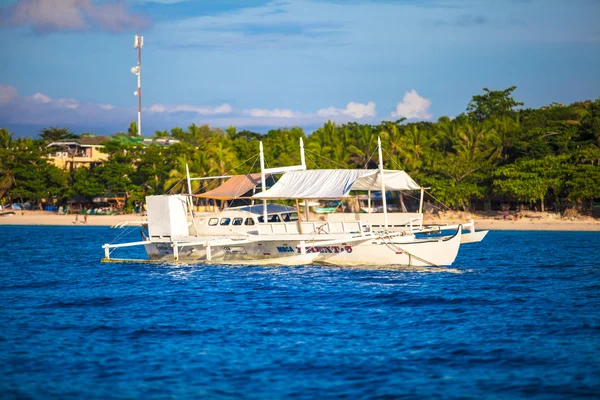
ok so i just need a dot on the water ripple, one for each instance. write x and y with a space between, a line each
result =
517 317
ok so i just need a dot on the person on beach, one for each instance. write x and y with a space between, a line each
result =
85 219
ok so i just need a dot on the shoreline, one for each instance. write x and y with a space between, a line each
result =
47 218
533 223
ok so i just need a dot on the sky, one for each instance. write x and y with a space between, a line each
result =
259 64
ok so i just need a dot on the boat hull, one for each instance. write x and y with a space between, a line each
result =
423 253
395 250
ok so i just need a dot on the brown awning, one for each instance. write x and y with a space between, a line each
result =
233 188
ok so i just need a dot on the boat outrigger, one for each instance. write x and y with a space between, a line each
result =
268 234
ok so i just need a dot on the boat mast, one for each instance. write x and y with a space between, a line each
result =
385 216
303 162
263 179
190 199
302 159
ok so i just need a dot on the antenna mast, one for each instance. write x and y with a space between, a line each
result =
137 70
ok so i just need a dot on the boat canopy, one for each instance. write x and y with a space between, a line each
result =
271 209
234 188
334 183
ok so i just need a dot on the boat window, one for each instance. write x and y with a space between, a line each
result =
237 221
213 221
274 218
261 220
249 221
225 221
288 217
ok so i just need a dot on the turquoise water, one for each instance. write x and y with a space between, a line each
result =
518 317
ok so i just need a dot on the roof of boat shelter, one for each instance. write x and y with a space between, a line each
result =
335 183
234 188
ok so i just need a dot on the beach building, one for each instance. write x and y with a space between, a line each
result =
85 151
80 152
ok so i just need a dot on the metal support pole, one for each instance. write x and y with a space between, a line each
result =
263 179
299 219
306 212
208 253
385 216
302 159
421 201
138 43
191 200
175 251
139 76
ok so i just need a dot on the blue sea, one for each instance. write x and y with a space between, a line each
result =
518 316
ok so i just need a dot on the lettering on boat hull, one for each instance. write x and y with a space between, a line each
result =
317 249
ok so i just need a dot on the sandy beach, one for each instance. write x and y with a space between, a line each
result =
51 218
529 222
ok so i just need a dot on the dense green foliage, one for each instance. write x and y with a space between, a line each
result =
546 156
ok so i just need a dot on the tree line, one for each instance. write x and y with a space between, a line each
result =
495 150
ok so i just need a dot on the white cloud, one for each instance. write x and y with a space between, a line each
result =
58 103
41 98
66 103
72 15
202 110
353 109
7 94
413 106
40 108
276 113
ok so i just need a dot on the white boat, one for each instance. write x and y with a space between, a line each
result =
239 236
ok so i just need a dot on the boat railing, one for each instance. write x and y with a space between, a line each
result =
316 228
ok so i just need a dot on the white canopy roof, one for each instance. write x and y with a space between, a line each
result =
334 183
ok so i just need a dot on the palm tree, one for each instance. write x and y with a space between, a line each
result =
6 138
231 131
339 147
508 129
319 145
7 177
132 130
178 133
55 133
366 144
477 140
390 132
475 147
221 159
414 146
177 176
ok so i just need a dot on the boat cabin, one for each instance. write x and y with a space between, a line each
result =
243 219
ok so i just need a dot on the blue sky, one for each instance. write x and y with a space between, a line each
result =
264 64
